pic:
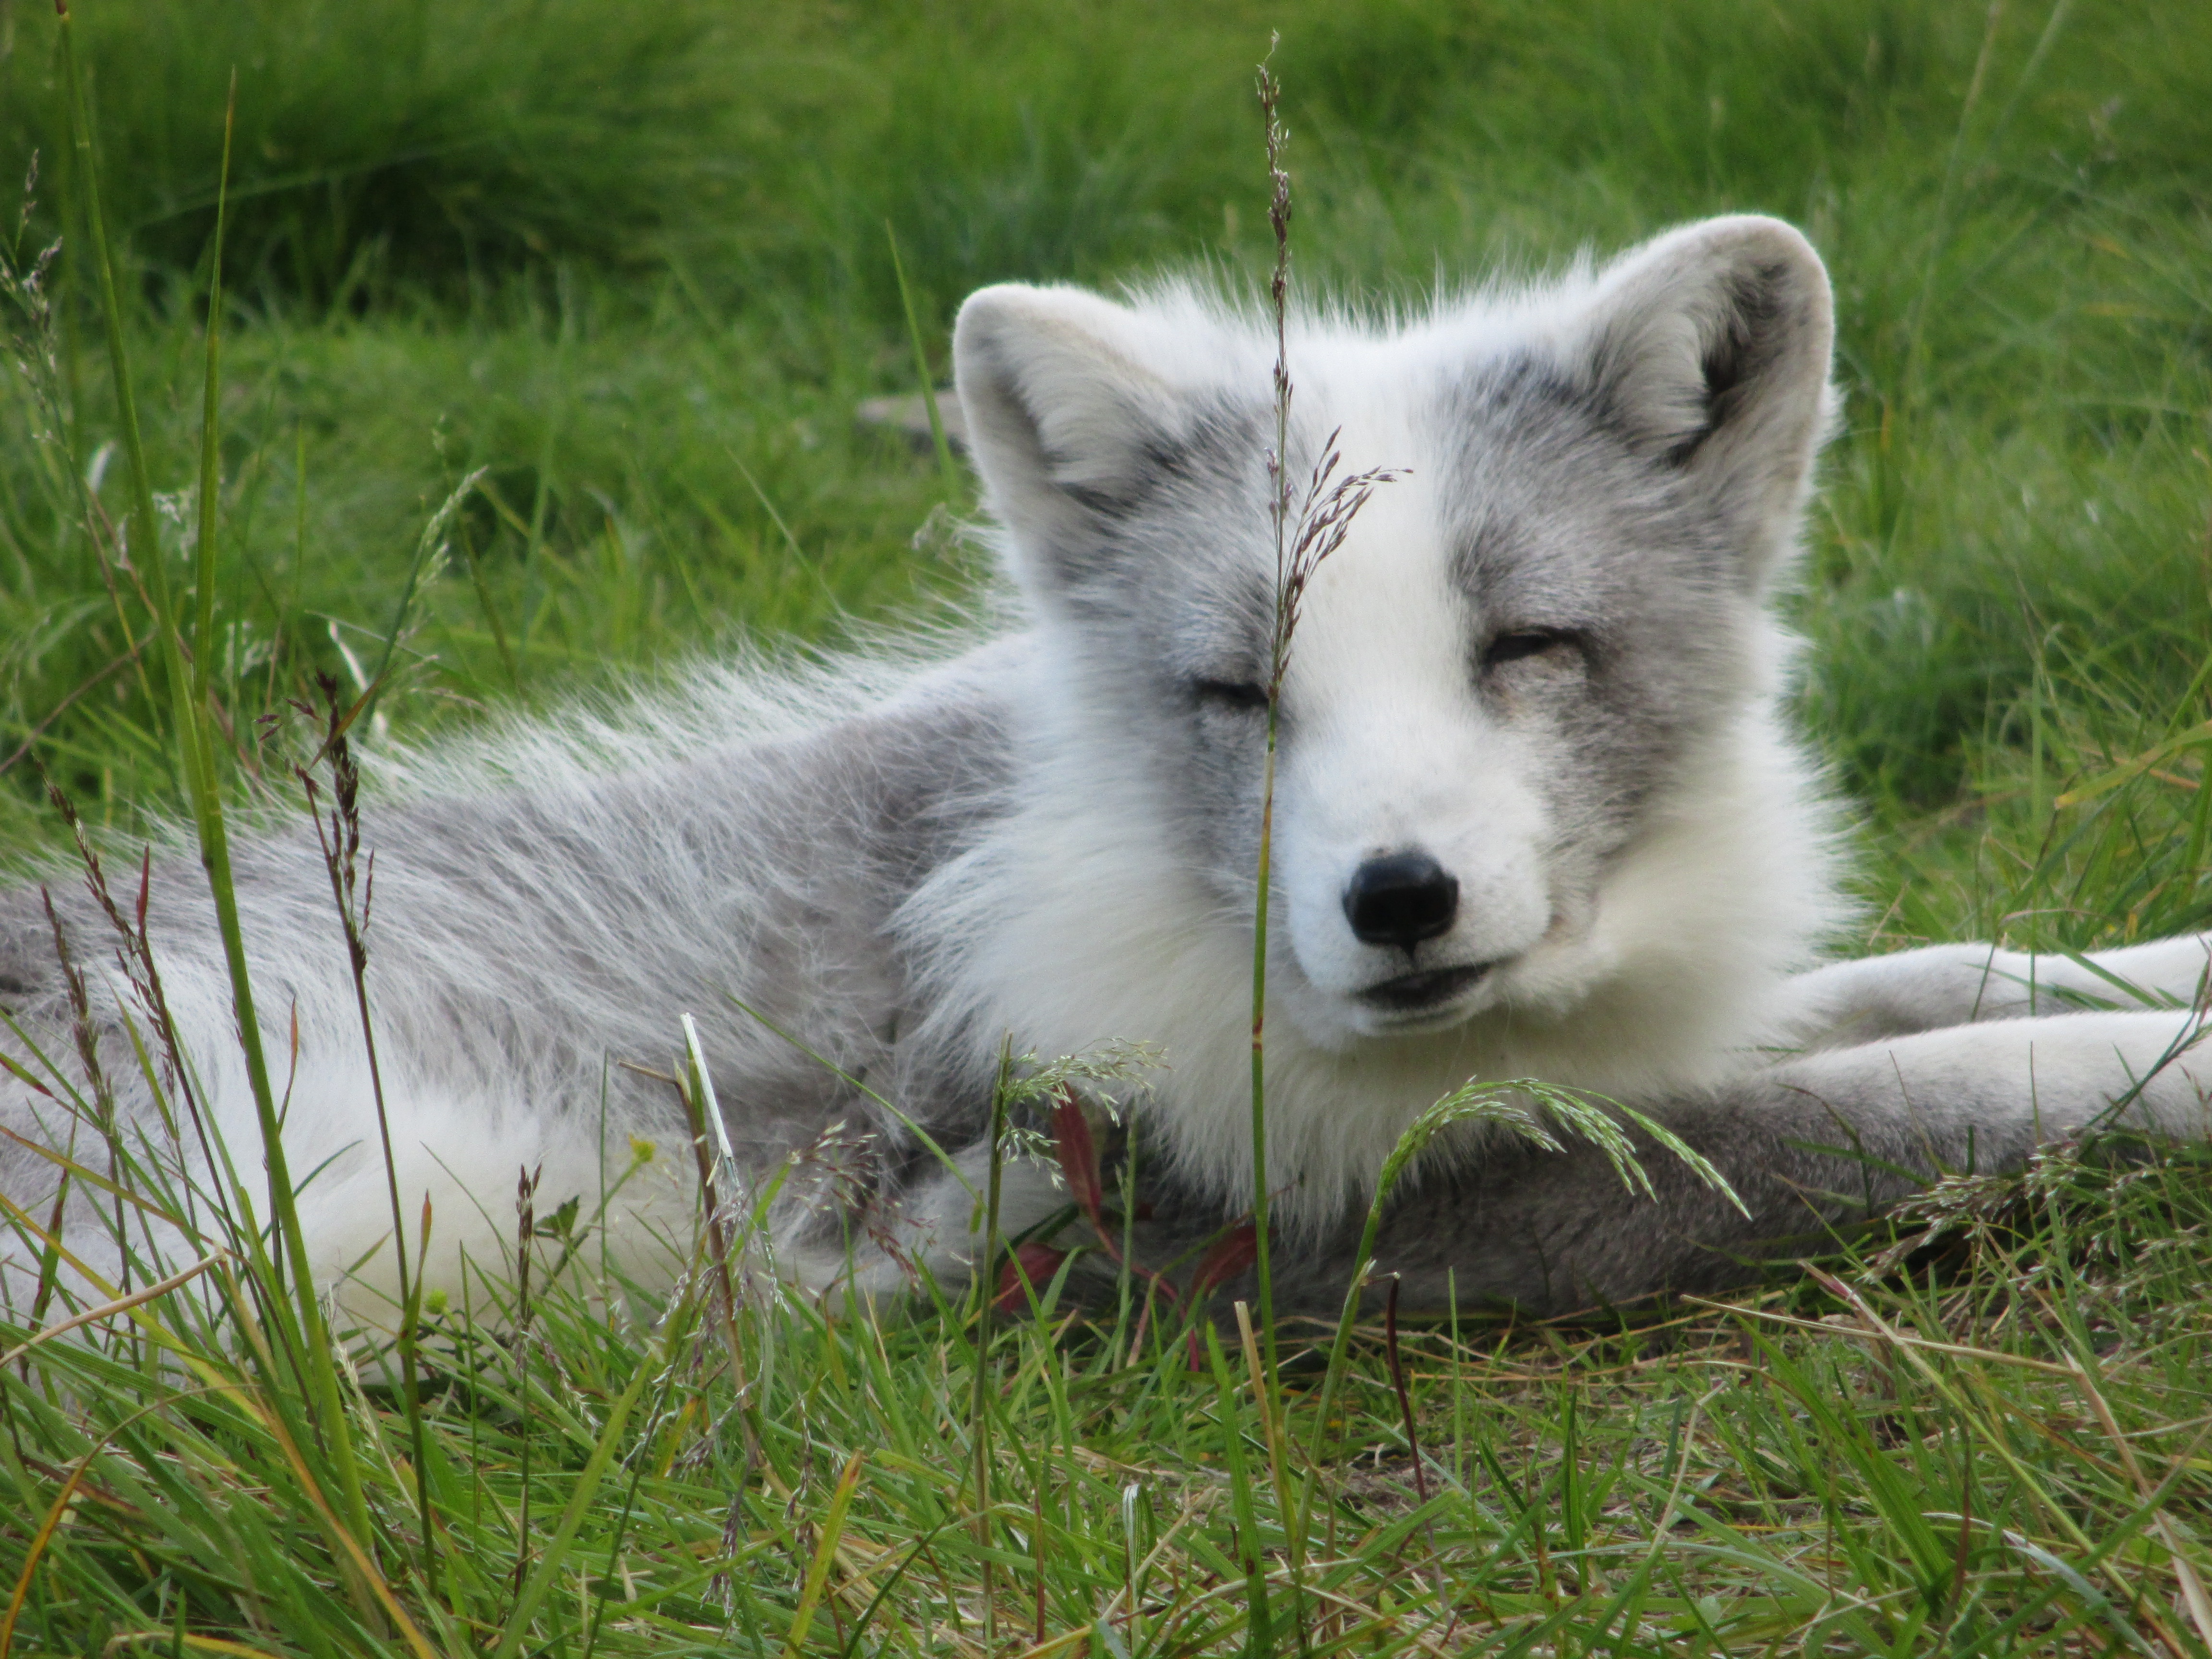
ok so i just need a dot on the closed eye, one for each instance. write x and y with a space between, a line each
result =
1230 694
1528 643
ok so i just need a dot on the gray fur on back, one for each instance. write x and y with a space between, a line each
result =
526 940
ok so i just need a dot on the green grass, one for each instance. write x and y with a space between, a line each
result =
631 262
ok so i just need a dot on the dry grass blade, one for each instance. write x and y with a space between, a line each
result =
825 1553
1878 1331
2185 1570
92 1316
37 1548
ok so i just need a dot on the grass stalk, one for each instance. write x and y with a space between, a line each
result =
2194 1599
210 491
525 1234
352 892
204 790
1512 1106
979 1404
710 1151
1304 541
1398 1387
1278 508
430 544
947 468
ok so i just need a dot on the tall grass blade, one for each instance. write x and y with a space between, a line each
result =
979 1404
946 467
1278 508
311 1344
210 494
431 543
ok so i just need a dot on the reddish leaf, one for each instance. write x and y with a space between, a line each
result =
1031 1263
1078 1157
1232 1252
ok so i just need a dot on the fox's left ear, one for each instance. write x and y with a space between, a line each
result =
1710 346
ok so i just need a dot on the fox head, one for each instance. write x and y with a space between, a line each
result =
1507 675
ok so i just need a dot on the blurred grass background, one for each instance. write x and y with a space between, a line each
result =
634 262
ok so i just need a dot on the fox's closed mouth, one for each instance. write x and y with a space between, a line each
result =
1411 993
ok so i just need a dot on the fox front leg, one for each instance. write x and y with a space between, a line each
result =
1943 985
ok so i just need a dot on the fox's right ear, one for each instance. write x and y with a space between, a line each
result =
1064 418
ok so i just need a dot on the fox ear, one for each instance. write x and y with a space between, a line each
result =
1709 346
1065 419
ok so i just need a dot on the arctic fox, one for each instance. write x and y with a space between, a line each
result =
1537 816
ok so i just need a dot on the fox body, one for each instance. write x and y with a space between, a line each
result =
1536 814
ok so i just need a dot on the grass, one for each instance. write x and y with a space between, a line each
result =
627 269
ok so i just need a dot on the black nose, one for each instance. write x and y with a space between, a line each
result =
1401 900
